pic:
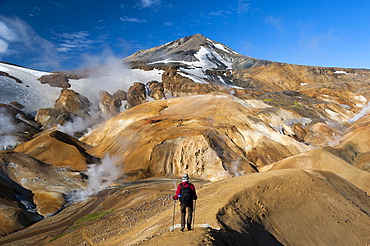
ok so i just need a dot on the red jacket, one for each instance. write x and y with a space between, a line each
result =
185 184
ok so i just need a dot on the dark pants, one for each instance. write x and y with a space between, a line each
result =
183 214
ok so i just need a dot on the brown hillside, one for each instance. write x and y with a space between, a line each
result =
208 136
58 149
320 159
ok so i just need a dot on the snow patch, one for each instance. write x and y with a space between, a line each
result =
196 74
222 80
207 59
342 72
222 47
31 93
11 68
211 59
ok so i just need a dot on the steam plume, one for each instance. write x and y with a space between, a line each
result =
7 130
100 177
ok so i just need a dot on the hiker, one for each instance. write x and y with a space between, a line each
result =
186 193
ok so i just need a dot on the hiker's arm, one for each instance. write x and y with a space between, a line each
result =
177 192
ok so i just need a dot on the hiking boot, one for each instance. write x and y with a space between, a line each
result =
182 229
189 229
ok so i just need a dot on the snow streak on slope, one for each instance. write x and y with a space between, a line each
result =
31 93
222 47
207 59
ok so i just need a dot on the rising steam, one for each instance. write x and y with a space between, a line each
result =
106 72
7 130
100 177
77 124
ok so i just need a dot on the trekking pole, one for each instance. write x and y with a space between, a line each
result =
173 217
195 203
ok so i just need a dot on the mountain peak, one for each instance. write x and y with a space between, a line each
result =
181 50
196 57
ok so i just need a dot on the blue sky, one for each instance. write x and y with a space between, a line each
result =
68 34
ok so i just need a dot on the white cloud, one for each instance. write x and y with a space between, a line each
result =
220 13
17 36
56 4
149 3
243 6
77 40
168 23
75 35
70 41
3 46
131 19
315 40
6 33
275 22
66 47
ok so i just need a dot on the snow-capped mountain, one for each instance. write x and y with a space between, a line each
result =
198 58
194 51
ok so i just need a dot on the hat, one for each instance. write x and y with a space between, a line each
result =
185 177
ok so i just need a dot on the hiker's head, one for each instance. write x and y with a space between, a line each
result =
185 177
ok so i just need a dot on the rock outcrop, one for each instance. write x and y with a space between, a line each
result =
136 95
50 117
69 105
11 77
55 80
110 105
73 102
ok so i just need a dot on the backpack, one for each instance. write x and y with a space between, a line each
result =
186 194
